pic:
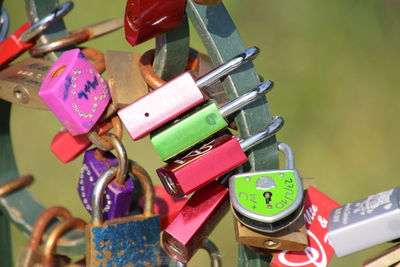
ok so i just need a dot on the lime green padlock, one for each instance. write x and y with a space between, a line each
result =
268 201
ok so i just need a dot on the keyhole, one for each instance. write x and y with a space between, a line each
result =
268 197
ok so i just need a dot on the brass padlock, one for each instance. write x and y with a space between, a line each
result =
124 77
292 238
49 257
31 255
125 241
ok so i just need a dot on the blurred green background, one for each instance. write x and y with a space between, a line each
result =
335 65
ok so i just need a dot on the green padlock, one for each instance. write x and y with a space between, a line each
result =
268 201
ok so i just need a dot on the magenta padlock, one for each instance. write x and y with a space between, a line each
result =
119 192
175 97
75 92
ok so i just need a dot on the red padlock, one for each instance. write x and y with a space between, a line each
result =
213 159
166 205
23 39
198 218
145 19
67 147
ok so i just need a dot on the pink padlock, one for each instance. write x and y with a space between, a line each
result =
75 92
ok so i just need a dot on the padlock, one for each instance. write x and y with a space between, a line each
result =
268 201
213 252
49 257
124 77
22 39
130 240
31 255
378 214
119 192
145 19
207 2
291 238
388 257
67 147
197 219
200 124
174 98
75 92
166 205
20 82
211 160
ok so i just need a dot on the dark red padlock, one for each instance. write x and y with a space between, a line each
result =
198 218
145 19
67 147
166 205
210 161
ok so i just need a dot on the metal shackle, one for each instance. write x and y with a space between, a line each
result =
267 132
60 228
5 24
289 157
15 184
213 252
43 221
122 157
99 141
107 177
41 25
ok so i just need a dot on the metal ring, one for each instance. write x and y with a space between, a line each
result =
70 40
122 157
151 78
46 21
103 143
5 23
15 184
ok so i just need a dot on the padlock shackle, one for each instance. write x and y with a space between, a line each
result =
224 69
107 177
41 25
289 157
5 24
246 98
43 221
267 132
213 252
122 157
60 228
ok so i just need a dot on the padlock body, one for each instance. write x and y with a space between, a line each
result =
145 19
124 77
188 131
117 198
75 92
202 165
21 81
161 106
247 191
12 46
122 241
167 206
198 218
67 147
290 239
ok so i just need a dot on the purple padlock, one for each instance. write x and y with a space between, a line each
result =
117 196
75 92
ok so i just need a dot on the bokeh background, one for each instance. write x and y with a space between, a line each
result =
336 70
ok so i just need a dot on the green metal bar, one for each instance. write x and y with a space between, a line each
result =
20 207
172 51
222 41
36 9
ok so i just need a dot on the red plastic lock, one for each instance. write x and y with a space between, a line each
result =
198 218
166 205
67 147
198 168
145 19
12 47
